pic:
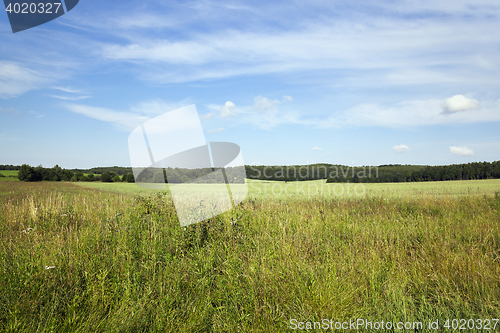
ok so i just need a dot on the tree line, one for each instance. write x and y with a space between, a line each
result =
10 167
375 174
34 174
332 173
415 173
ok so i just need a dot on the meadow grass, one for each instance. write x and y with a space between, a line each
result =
122 263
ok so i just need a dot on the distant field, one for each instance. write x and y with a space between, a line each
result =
8 173
10 176
124 188
319 188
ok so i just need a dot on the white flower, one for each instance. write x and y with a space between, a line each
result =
50 267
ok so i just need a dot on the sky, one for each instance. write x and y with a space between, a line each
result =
290 82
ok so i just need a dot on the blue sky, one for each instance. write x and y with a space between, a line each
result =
291 82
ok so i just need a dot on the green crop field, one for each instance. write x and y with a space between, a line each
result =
9 175
99 257
319 188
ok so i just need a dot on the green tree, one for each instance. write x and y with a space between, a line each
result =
129 177
106 177
26 173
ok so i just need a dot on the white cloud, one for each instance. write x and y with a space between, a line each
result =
207 116
157 107
387 44
123 120
15 79
70 90
186 53
128 120
10 110
400 148
264 103
406 114
460 103
145 20
227 110
37 114
317 148
215 130
264 113
461 151
68 98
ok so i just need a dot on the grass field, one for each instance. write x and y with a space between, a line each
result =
319 188
112 257
10 175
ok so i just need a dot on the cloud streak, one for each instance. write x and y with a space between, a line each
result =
127 120
366 44
122 120
216 130
16 79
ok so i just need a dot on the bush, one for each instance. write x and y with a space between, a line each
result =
129 177
106 177
26 173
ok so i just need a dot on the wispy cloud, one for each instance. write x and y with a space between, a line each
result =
127 120
208 115
407 114
71 94
317 148
70 90
122 120
404 49
16 79
264 103
267 113
37 114
400 148
158 106
461 151
264 112
9 110
216 130
69 98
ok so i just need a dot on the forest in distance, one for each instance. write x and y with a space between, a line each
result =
392 173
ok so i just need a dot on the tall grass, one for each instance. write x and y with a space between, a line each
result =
122 263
